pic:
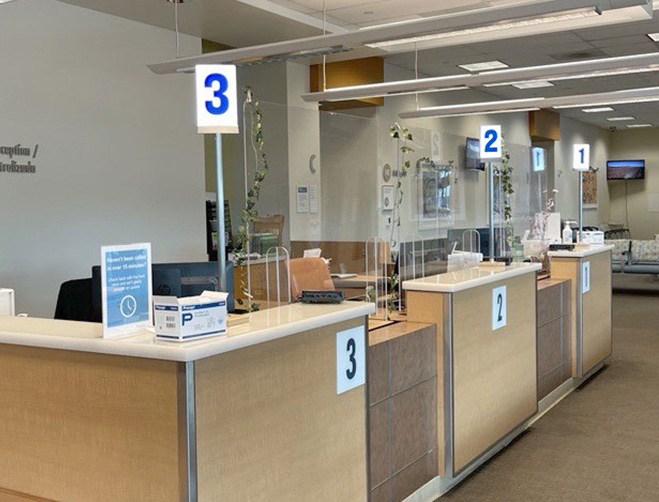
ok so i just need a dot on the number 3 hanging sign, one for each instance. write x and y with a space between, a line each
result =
217 99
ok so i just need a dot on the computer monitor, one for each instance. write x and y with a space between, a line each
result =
172 279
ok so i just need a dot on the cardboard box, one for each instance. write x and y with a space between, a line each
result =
593 238
192 318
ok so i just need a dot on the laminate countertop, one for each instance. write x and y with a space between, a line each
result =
581 253
453 282
262 327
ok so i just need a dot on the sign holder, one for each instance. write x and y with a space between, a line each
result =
491 145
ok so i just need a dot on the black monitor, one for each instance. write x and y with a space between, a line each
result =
472 155
625 170
172 279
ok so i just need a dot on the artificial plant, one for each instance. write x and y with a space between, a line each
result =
403 138
250 214
505 174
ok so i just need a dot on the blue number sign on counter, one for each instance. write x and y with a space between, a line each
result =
217 99
126 288
350 359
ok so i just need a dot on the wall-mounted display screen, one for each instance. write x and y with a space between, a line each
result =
625 170
473 161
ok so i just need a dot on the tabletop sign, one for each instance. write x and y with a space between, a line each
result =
499 308
126 289
217 99
539 159
491 142
581 159
586 277
350 359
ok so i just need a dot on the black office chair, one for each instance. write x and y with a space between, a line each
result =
74 302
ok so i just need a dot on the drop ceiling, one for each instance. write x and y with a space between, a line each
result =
242 23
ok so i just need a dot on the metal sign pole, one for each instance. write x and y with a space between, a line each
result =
491 190
221 230
580 236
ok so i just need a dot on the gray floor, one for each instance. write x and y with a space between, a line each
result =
602 442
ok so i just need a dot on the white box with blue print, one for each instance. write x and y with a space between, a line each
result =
191 318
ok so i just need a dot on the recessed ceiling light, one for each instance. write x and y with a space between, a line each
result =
654 37
533 84
620 119
638 126
600 109
487 65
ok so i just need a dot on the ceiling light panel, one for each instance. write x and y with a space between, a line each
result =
533 84
601 109
654 37
638 126
485 66
621 119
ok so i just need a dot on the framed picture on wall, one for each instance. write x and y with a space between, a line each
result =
590 190
434 191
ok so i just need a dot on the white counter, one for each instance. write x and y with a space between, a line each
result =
263 326
581 253
469 278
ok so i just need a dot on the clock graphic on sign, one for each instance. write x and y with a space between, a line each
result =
128 306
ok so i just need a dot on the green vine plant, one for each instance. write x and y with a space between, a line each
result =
249 213
505 174
403 138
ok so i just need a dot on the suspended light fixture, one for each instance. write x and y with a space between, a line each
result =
536 76
643 95
405 30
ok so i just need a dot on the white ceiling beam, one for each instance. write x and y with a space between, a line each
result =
359 38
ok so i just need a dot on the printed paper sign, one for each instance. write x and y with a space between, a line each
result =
586 277
350 359
126 289
499 308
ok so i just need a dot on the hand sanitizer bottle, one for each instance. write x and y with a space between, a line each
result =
568 235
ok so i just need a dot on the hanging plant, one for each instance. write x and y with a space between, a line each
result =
249 213
505 174
403 138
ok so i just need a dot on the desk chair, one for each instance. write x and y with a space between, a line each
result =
309 274
270 225
74 302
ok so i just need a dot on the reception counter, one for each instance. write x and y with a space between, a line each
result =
252 416
592 323
485 322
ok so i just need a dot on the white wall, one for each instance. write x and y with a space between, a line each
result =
119 159
636 144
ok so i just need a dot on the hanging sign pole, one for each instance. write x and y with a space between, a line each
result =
217 113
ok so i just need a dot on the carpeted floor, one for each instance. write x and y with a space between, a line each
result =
601 443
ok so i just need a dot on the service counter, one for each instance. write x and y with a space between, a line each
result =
591 309
252 416
485 321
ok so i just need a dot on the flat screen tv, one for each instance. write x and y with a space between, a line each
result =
473 153
625 170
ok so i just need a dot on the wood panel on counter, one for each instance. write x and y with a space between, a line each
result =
403 410
270 426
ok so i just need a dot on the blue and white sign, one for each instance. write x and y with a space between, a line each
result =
586 277
350 359
491 142
539 159
126 289
217 99
499 308
581 159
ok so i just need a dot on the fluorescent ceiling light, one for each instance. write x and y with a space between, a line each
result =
533 84
654 37
644 95
487 65
620 119
492 112
535 76
601 109
569 15
638 126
